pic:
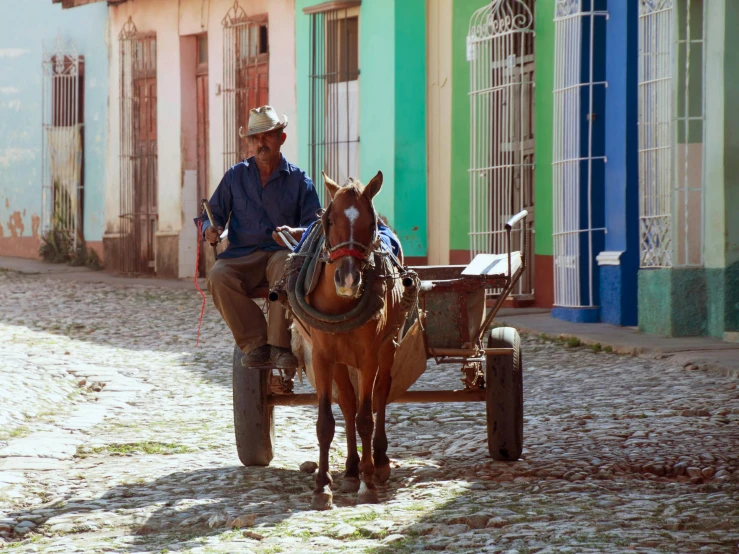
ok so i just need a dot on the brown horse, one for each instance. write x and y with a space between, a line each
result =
350 228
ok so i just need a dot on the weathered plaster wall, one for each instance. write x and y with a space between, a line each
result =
172 21
673 302
439 117
706 300
24 26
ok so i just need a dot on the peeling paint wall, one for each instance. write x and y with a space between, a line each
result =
171 21
24 26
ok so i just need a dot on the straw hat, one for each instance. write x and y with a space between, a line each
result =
262 120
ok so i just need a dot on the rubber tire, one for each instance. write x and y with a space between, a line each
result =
254 420
504 396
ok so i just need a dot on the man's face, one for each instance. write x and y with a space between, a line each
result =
266 146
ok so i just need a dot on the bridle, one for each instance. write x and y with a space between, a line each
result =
353 248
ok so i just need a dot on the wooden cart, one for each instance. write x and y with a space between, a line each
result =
453 301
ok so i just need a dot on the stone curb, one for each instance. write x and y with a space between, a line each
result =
686 358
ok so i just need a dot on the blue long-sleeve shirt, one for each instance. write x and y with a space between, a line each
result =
289 198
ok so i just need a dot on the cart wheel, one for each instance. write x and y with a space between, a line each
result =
504 396
254 420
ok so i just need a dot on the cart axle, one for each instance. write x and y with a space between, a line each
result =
409 397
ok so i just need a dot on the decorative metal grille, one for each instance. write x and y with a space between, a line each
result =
245 77
671 114
574 155
138 170
62 120
334 95
500 49
655 131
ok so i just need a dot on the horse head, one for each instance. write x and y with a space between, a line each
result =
350 228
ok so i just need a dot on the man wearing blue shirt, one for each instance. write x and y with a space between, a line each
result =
258 197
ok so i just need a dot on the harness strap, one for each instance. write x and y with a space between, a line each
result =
341 252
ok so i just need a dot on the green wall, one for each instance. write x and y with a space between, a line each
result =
410 126
459 224
392 112
544 78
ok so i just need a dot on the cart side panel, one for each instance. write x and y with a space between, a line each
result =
452 317
443 319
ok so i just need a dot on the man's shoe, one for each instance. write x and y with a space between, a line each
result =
283 358
259 357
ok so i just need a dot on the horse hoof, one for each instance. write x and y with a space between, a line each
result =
322 500
349 484
367 495
382 474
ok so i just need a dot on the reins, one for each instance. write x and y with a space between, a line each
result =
374 277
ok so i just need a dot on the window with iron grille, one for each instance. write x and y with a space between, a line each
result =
671 117
63 139
245 77
334 91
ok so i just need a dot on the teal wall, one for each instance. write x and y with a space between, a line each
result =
392 119
377 110
410 126
23 27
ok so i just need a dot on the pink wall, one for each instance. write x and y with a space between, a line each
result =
175 24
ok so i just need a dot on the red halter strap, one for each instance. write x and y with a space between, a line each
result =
341 252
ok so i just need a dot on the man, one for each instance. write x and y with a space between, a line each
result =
258 197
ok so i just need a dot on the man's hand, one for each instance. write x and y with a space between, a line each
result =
211 235
294 232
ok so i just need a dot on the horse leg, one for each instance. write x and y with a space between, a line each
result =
382 389
365 426
348 404
322 496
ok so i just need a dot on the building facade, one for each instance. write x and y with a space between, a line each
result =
183 78
596 116
53 117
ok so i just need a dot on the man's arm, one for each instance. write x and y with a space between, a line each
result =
220 204
308 205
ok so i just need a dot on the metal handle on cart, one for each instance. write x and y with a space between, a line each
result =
520 216
515 219
508 226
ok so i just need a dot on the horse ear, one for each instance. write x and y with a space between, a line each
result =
331 185
373 187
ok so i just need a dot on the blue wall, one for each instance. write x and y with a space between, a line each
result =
619 283
24 26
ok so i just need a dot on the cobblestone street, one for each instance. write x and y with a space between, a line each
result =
116 435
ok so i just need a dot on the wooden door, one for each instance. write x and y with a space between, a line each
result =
203 141
145 153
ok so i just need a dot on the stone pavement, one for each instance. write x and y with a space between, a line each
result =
116 435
